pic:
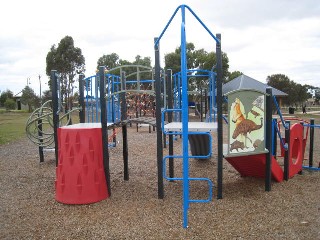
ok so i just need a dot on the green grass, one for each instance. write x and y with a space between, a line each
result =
13 123
307 117
12 126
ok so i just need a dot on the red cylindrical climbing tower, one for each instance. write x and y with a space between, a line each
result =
80 177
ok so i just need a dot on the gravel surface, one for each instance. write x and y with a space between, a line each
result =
29 210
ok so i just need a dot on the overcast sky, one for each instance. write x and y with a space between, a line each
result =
261 38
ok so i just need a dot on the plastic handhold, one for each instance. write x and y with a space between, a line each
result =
79 184
77 142
85 164
71 157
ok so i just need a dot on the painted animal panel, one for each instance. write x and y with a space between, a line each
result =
237 113
259 103
236 145
257 143
246 127
255 113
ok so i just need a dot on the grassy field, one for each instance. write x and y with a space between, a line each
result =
12 126
13 123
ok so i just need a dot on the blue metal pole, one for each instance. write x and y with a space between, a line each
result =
178 98
219 119
274 137
184 120
213 91
287 152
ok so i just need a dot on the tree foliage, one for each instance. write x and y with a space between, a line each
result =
145 61
297 94
112 61
233 75
29 98
317 95
196 59
4 96
109 61
68 61
46 96
10 104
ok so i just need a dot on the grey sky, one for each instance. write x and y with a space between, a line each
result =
260 37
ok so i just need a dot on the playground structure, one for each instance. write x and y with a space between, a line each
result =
257 156
139 96
105 91
109 104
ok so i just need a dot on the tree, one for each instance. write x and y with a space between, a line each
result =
10 104
173 59
109 61
46 96
233 75
4 96
141 61
112 61
68 61
297 94
317 94
29 98
279 81
301 94
196 59
146 61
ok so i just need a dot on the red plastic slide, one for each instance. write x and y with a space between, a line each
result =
255 165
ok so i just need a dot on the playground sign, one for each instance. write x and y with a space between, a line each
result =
246 117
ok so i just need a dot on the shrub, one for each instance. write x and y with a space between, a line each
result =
10 104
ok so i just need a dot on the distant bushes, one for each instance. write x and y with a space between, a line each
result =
10 104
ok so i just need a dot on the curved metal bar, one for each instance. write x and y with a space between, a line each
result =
203 25
166 27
